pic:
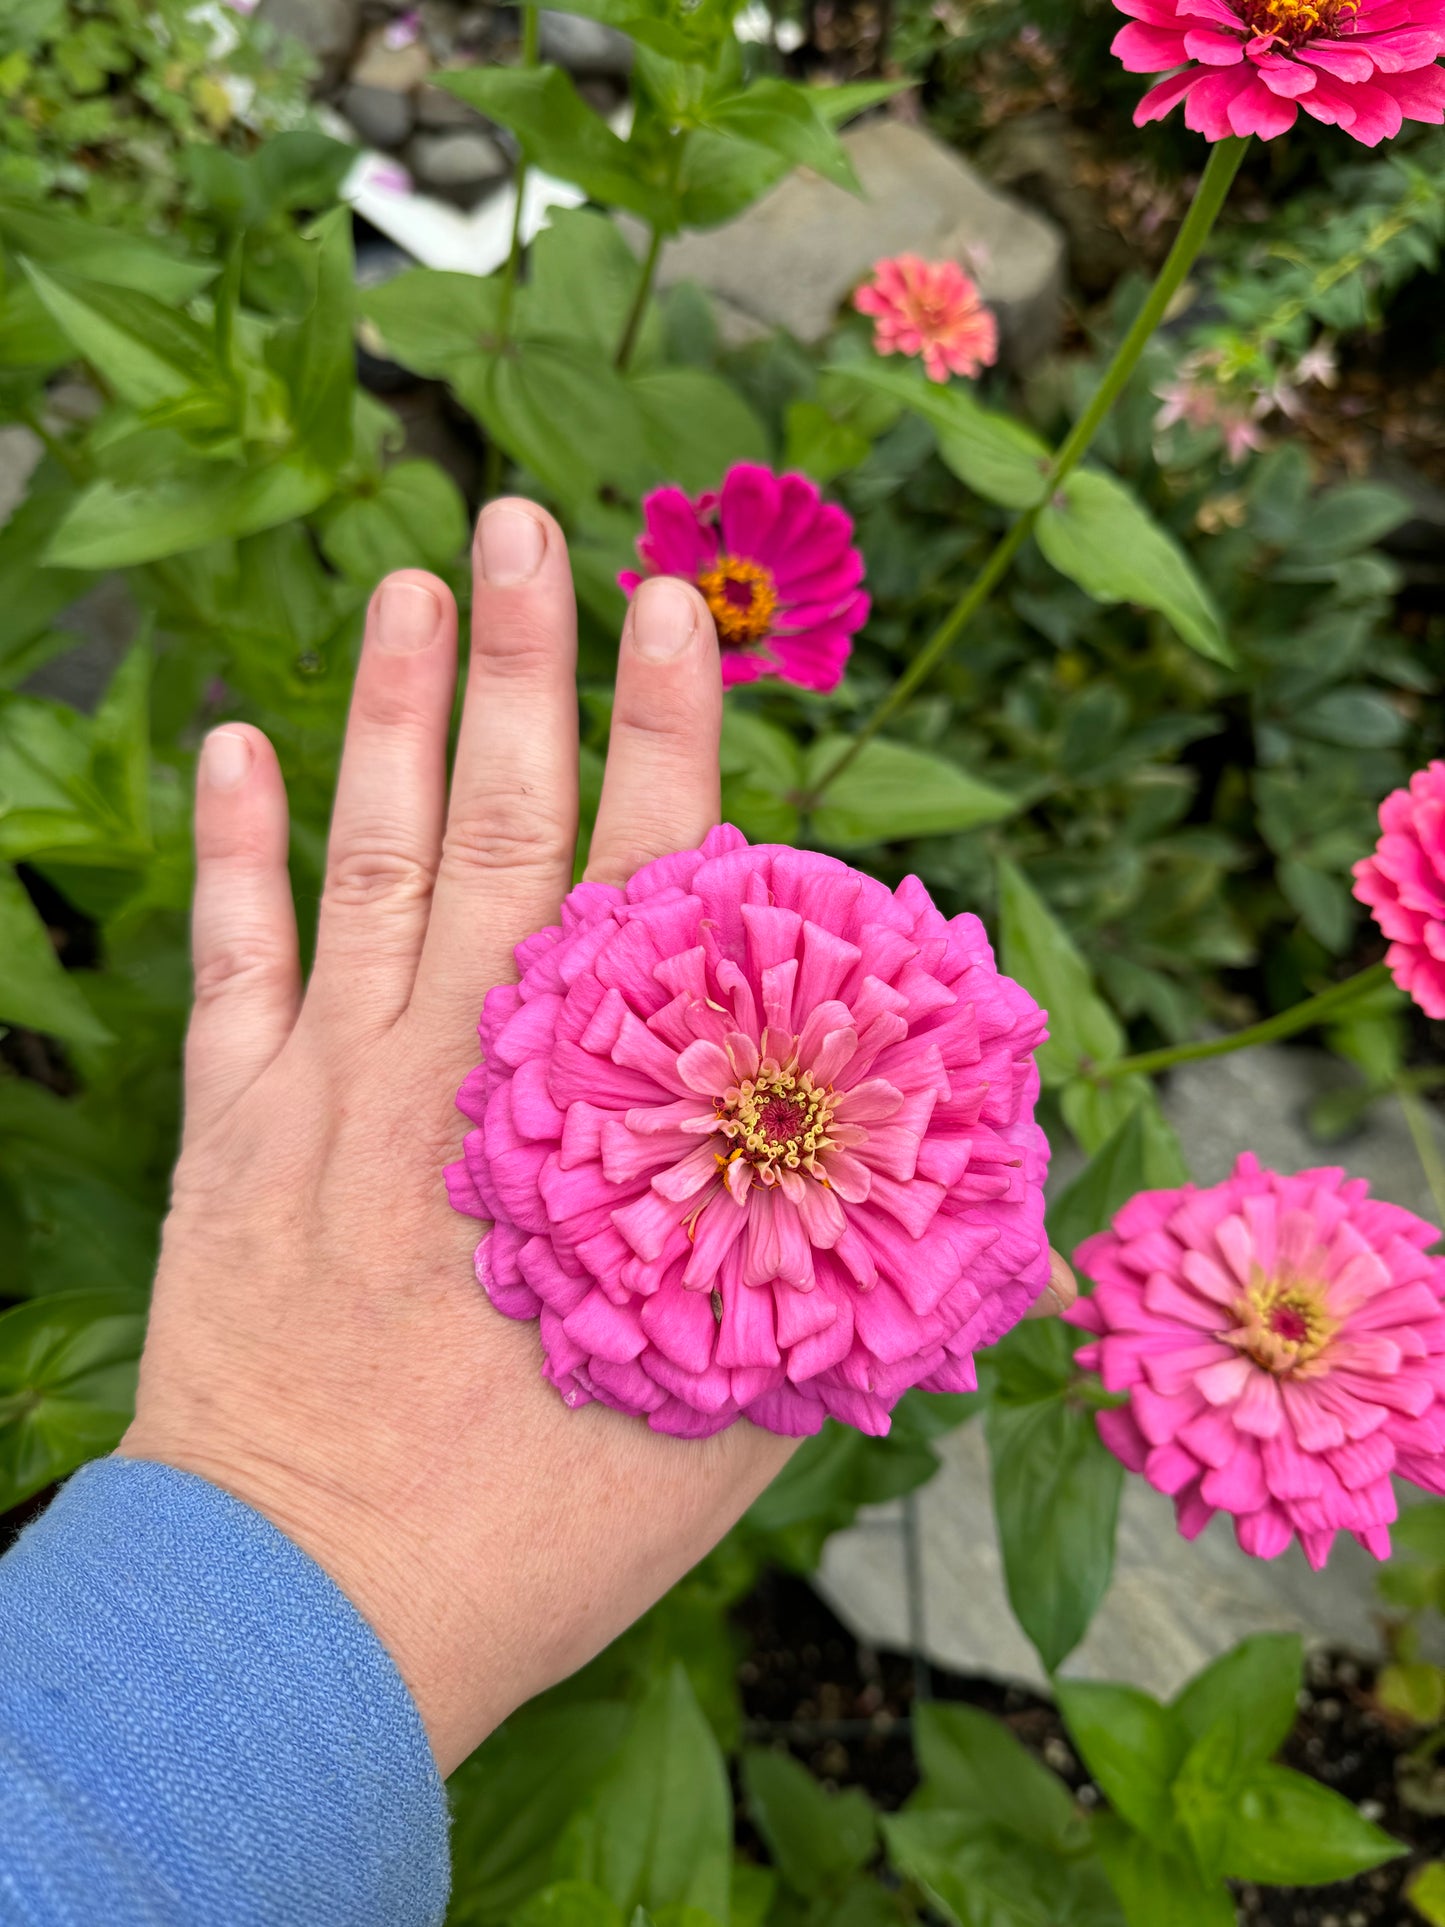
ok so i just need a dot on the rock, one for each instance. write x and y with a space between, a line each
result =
1049 161
20 453
397 69
381 115
436 108
584 46
453 161
796 255
326 28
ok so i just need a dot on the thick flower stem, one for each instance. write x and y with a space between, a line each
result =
1214 185
493 477
1302 1016
632 327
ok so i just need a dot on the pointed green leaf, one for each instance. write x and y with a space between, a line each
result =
109 527
1131 1745
816 1839
1287 1830
972 1763
1142 1154
1155 1888
67 1384
1037 950
783 117
891 791
34 989
996 456
148 353
414 517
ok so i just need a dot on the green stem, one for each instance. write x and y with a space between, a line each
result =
1417 1117
493 478
53 445
1214 185
1302 1016
632 327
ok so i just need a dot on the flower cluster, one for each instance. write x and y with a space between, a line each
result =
932 309
756 1138
776 564
1404 885
1281 1342
1248 66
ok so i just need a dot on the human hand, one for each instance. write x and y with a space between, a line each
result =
317 1343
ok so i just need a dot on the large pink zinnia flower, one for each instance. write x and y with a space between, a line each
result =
756 1137
1404 885
777 566
929 308
1364 65
1282 1344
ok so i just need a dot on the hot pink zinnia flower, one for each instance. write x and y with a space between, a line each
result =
776 564
1404 885
929 308
1282 1344
1364 65
756 1137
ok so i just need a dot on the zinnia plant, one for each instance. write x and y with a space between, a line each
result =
776 564
929 309
1248 66
1281 1345
756 1137
1404 885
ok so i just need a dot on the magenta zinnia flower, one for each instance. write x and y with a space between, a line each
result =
1364 65
1282 1344
1404 885
932 309
756 1137
777 566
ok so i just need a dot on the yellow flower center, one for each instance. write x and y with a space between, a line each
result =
742 597
1290 23
1283 1326
777 1120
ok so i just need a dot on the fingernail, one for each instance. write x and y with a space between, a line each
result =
406 617
510 543
225 759
664 619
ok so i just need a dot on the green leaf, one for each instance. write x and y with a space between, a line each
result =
559 132
1426 1892
107 254
414 517
1342 521
819 445
891 791
1038 951
1158 1889
816 1839
145 351
316 356
120 744
433 321
696 426
1289 1831
67 1384
1252 1690
1131 1745
658 1831
977 1875
560 413
784 118
513 1797
1094 532
110 527
34 989
582 280
1356 716
1142 1154
569 1903
31 594
762 772
997 457
972 1763
1420 1529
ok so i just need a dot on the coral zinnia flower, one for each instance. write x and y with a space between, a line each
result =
1404 885
756 1137
929 308
1364 65
777 566
1282 1344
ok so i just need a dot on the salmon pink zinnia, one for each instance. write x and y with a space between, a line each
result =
1364 65
776 564
1281 1341
756 1138
932 309
1404 885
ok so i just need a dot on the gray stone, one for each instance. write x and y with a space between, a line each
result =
456 160
326 28
380 115
584 46
20 452
398 69
438 109
794 257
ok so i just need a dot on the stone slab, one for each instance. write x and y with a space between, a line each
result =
793 258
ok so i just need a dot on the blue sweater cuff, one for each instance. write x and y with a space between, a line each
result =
197 1726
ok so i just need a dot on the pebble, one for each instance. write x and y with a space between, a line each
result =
436 108
456 160
397 69
382 116
584 46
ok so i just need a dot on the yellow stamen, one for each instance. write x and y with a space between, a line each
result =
742 597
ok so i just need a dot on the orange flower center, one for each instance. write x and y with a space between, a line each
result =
742 597
1290 23
1283 1326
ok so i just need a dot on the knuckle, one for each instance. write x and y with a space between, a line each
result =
373 873
523 648
242 962
506 833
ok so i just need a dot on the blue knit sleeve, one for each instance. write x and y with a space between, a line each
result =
197 1727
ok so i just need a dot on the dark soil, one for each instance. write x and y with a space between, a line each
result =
844 1709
